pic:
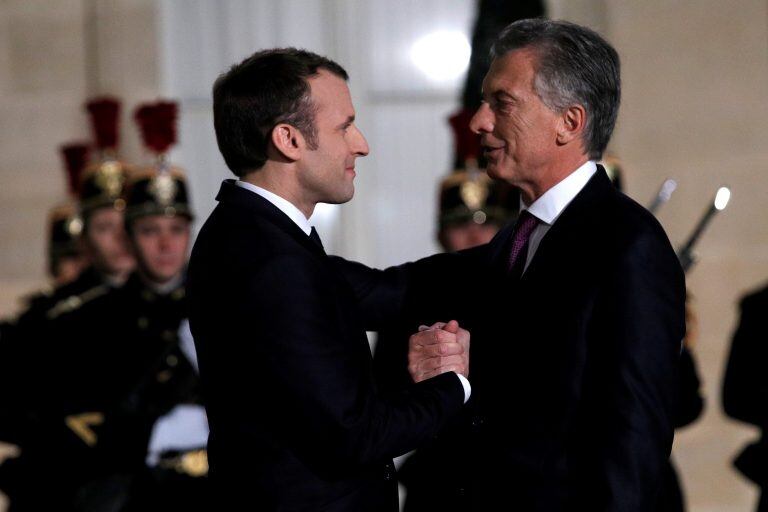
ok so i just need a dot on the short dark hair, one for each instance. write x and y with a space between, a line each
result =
268 88
574 65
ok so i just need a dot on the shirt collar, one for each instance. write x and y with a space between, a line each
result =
551 204
283 205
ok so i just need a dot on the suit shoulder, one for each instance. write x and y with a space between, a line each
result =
631 217
624 223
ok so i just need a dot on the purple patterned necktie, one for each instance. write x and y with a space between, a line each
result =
526 223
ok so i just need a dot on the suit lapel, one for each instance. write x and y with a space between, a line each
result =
573 222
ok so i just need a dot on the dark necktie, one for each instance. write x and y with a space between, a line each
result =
518 251
316 238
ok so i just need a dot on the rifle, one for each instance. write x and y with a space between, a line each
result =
685 254
665 192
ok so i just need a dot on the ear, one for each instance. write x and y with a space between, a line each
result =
288 141
572 123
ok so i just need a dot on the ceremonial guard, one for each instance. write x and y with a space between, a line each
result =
101 214
17 349
744 388
26 355
158 221
65 258
118 360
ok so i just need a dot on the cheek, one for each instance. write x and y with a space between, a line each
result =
180 246
507 130
146 246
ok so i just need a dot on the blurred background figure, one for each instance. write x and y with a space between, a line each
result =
65 251
102 204
65 258
690 408
745 387
158 218
66 261
473 208
110 417
38 354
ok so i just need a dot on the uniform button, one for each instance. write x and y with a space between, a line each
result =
164 376
143 322
169 335
172 360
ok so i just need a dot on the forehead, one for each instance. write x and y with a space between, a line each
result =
106 214
512 72
160 221
330 94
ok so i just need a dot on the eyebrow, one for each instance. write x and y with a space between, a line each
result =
503 95
347 122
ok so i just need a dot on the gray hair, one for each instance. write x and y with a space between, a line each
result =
575 66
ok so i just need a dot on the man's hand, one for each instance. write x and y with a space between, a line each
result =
437 349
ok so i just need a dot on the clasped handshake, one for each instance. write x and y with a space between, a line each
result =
438 348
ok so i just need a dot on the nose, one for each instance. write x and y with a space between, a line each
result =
121 236
164 241
359 144
482 121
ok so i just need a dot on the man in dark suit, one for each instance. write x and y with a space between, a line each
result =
576 340
296 421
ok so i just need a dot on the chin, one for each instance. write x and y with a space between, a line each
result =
346 196
124 265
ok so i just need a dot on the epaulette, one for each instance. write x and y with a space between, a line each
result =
44 293
74 302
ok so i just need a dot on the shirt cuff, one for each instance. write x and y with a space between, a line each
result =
466 385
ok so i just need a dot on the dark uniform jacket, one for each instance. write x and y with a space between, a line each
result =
296 421
20 345
574 366
745 387
106 369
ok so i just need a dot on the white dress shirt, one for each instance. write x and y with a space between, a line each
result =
296 216
551 204
283 205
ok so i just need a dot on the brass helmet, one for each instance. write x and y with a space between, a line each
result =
64 222
65 227
103 181
159 188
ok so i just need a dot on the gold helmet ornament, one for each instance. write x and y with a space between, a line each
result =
103 181
159 188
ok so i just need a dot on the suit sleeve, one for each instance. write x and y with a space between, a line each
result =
631 379
380 294
424 291
318 374
745 386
